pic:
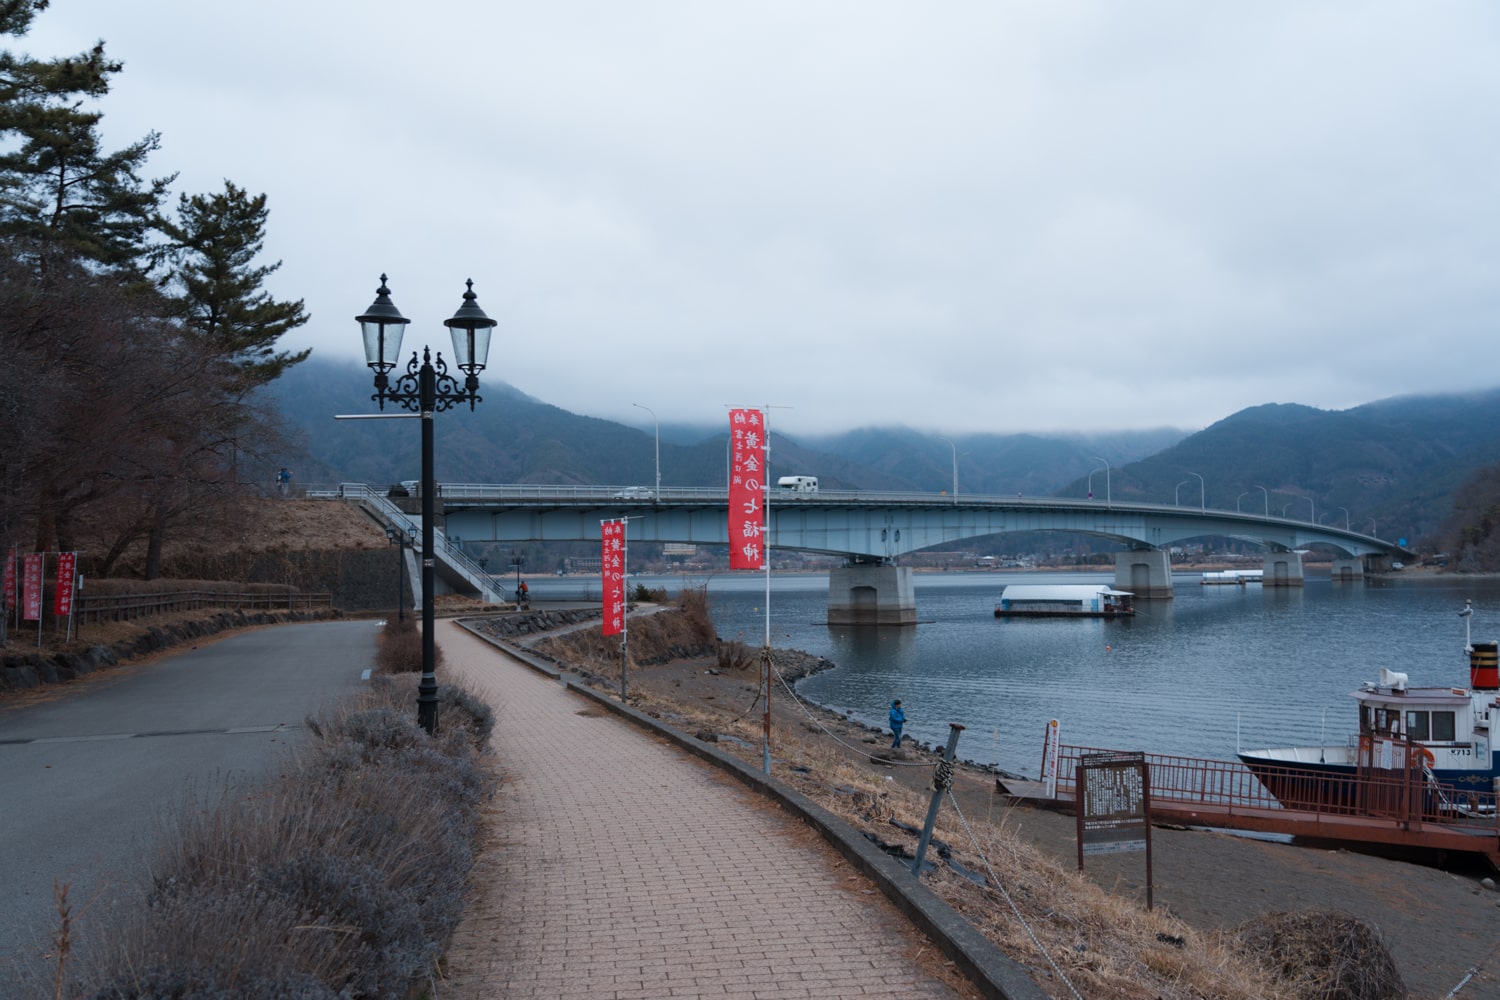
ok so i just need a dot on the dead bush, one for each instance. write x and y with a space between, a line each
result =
401 648
1323 955
343 877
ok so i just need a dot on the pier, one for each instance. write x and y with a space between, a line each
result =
1399 809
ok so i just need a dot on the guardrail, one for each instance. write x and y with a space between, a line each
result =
645 496
128 607
1406 794
412 526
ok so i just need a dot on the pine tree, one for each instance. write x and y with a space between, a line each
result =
60 190
218 286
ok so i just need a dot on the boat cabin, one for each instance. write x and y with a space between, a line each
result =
1392 710
1079 600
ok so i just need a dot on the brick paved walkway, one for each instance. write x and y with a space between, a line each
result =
621 868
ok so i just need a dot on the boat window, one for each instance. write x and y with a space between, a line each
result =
1443 726
1386 721
1416 726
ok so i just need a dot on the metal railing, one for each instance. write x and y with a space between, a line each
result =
128 607
694 494
391 512
1408 793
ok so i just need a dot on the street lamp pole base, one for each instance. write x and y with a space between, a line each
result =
427 704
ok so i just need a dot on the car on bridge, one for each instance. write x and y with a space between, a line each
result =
635 493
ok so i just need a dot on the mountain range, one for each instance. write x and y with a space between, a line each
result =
1389 467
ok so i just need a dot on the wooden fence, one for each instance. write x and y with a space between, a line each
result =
126 607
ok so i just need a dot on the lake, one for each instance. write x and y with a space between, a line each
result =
1217 667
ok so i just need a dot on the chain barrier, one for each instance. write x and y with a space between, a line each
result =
833 736
1000 886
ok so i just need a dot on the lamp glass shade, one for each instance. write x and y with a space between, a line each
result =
382 342
471 333
471 348
382 326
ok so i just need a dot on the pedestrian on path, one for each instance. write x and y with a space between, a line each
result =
898 721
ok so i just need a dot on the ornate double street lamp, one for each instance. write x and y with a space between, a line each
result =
426 389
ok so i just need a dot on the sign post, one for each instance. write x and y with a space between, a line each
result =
1114 807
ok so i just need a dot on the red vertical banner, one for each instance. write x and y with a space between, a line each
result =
612 572
747 514
62 595
31 587
10 579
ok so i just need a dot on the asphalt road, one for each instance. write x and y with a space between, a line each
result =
89 772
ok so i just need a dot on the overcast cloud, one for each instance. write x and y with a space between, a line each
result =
965 216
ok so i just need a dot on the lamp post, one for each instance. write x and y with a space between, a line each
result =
1202 493
1373 529
1268 499
1346 517
1106 481
396 536
1312 510
518 562
648 409
1239 498
954 449
426 389
1175 501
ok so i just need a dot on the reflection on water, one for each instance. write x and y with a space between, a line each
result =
1197 675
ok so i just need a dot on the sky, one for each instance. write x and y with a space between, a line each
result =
961 217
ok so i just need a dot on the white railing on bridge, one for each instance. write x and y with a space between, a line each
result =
865 498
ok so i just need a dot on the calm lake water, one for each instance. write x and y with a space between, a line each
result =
1197 675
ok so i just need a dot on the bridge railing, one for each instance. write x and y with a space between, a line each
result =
638 496
382 503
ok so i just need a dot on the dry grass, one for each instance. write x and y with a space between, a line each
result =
1051 919
1104 945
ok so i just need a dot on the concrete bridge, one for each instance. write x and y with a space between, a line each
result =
872 530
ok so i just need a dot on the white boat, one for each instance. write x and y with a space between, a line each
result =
1445 731
1233 577
1064 600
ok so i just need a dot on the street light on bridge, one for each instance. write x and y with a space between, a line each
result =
1346 517
426 389
648 409
1268 499
1106 481
954 447
1202 493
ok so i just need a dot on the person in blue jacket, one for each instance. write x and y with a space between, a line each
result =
898 720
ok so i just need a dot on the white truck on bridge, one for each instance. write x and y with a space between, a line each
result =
798 484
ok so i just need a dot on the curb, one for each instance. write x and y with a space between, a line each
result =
995 974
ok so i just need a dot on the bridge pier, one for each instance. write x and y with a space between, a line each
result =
871 594
1348 570
1146 573
1282 569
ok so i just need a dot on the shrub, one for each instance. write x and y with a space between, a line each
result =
343 878
401 648
1323 955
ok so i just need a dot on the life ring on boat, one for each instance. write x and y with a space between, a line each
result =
1425 756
